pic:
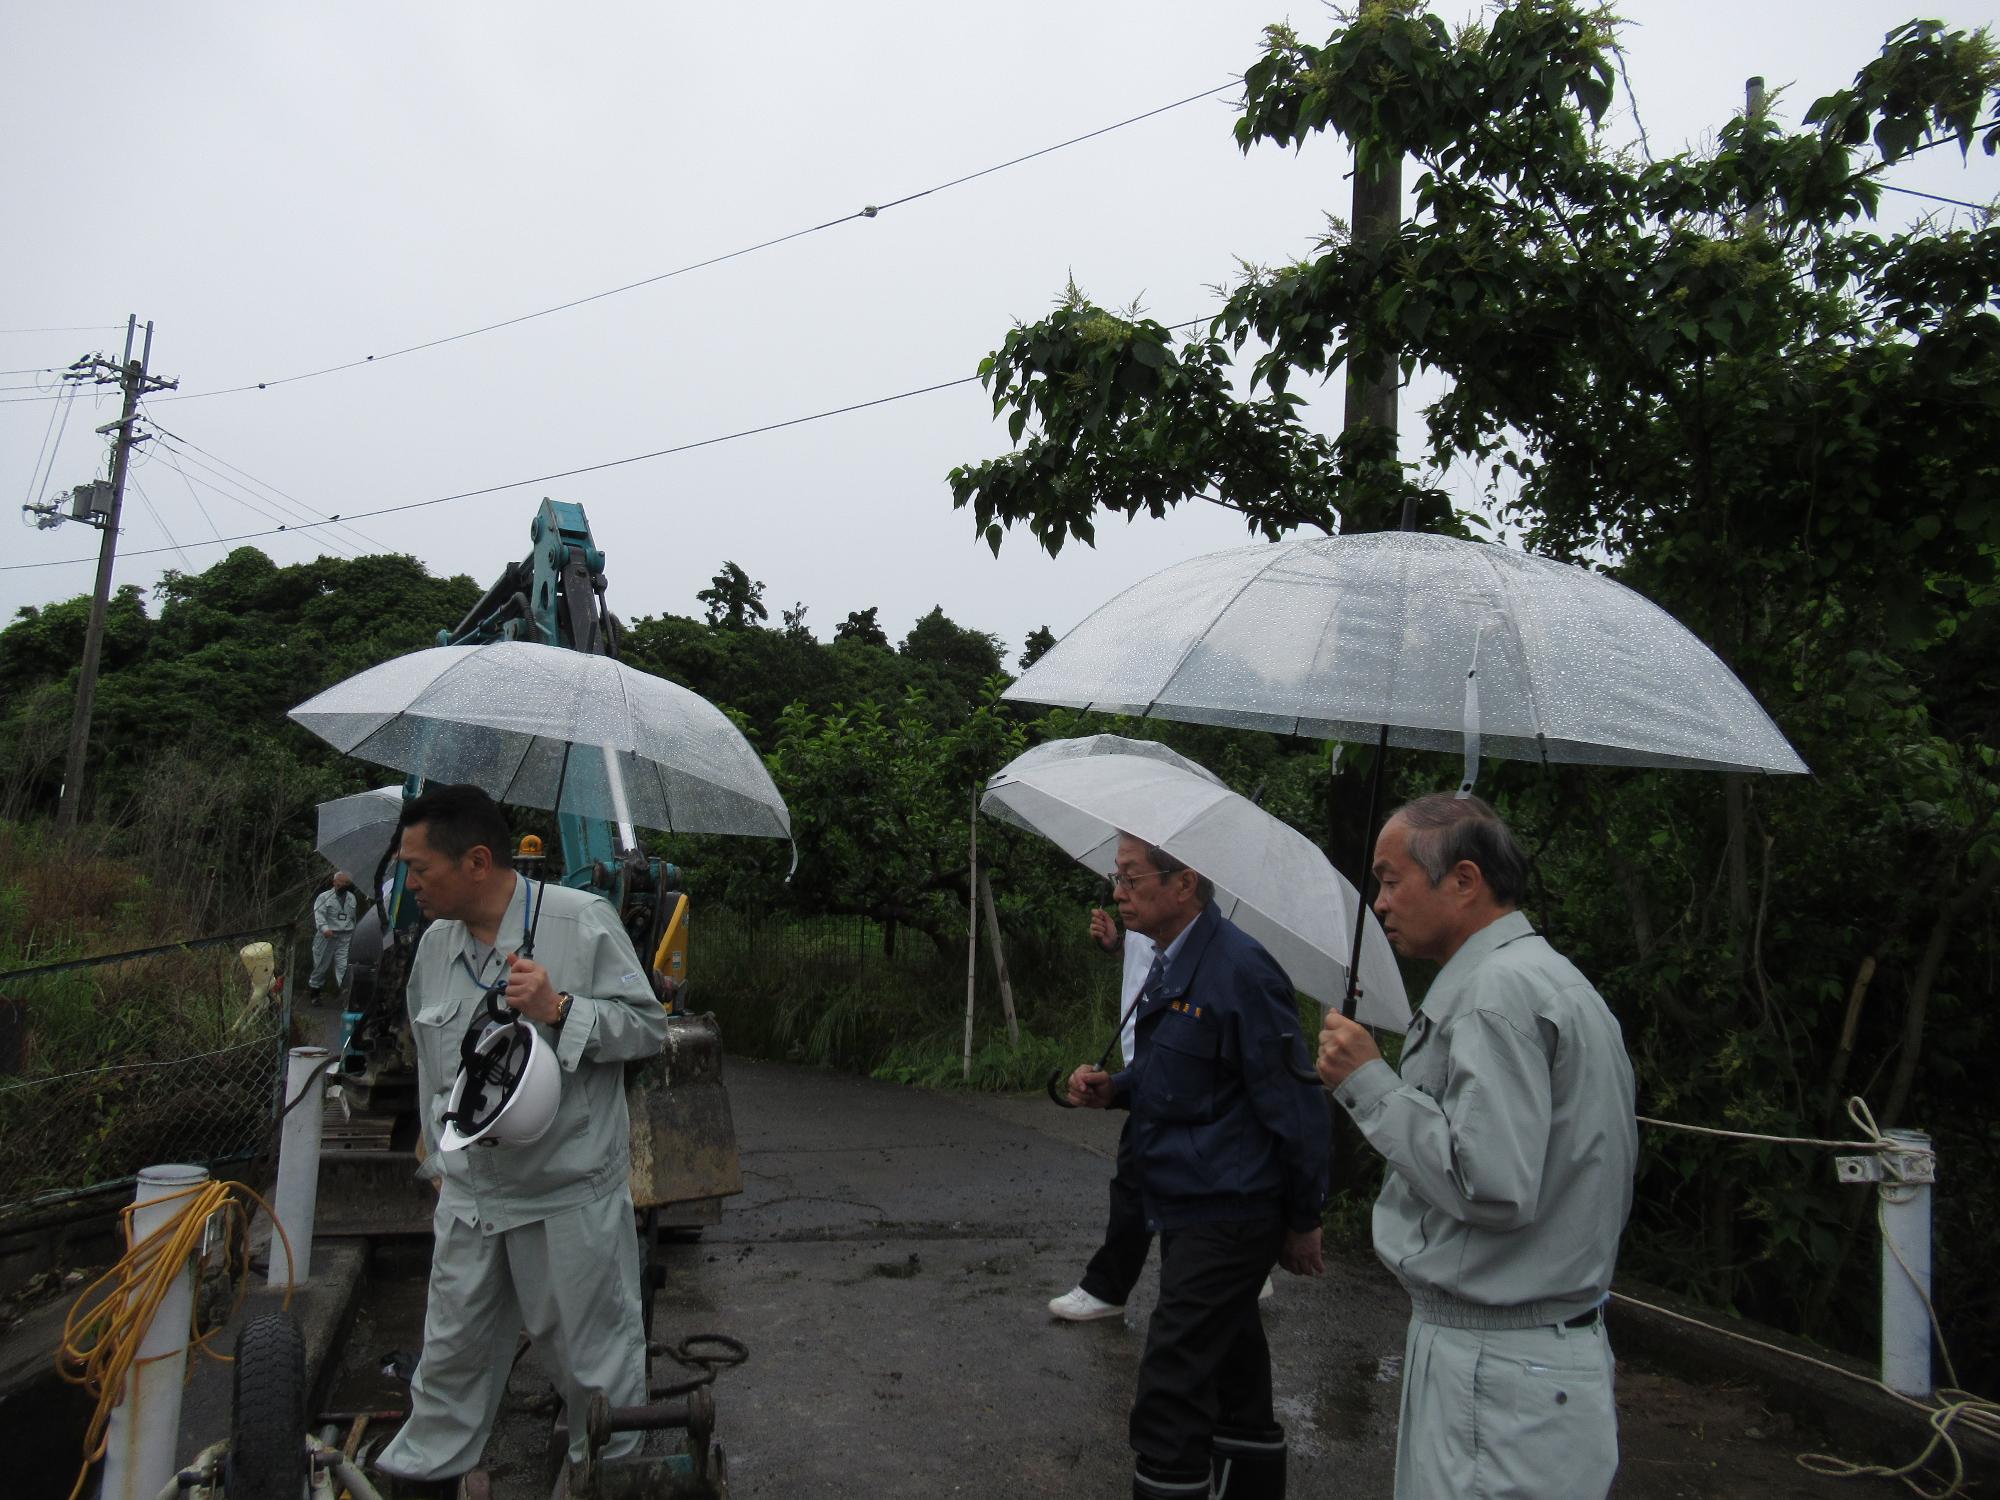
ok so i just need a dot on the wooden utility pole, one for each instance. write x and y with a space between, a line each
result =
1378 211
1372 392
131 376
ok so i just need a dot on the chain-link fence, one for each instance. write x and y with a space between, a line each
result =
123 1063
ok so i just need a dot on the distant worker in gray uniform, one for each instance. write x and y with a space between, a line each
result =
536 1235
1510 1142
334 911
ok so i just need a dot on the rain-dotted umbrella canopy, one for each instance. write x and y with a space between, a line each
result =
1439 639
1051 751
354 832
1270 879
501 716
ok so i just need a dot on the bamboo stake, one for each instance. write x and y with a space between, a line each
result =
999 959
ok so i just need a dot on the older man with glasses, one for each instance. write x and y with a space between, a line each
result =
1231 1155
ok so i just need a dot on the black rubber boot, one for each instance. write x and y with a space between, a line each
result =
1151 1481
1248 1463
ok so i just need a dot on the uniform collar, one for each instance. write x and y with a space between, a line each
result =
513 920
1183 955
1489 940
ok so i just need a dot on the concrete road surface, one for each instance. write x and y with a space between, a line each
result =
889 1266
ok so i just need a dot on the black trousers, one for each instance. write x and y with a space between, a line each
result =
1206 1363
1114 1270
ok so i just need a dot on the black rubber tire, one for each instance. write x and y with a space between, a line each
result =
267 1422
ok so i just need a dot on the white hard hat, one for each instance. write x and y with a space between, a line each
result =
508 1096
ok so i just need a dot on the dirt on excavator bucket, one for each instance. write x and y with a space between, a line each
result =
683 1137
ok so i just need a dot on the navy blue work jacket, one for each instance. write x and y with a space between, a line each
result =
1221 1129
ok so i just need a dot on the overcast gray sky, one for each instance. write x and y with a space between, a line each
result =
283 188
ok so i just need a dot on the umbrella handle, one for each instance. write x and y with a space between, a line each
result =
1054 1097
1304 1075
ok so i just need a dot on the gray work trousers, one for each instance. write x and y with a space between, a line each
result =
1506 1414
572 1281
330 958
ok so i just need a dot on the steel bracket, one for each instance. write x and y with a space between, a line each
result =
1890 1166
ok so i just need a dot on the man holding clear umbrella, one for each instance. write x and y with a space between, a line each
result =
1511 1143
537 1234
1232 1156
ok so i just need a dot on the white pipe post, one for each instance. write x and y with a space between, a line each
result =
295 1200
1908 1169
144 1433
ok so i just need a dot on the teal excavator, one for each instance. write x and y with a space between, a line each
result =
684 1159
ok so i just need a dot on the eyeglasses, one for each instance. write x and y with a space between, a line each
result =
1126 882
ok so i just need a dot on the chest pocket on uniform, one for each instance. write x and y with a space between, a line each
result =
1181 1069
437 1031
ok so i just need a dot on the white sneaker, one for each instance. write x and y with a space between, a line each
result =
1268 1290
1078 1306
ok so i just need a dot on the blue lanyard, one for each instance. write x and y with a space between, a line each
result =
527 948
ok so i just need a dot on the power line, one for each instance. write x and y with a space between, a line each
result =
263 484
80 328
35 474
151 510
281 519
1982 208
516 484
217 530
18 400
869 212
285 512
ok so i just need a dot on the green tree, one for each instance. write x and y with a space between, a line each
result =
862 626
949 663
881 800
734 599
1771 416
1038 642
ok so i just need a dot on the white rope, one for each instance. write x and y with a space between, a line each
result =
1857 1111
1949 1405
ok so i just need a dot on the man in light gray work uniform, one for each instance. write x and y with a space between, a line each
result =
539 1235
334 910
1511 1142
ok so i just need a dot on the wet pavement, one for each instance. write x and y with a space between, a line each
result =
889 1265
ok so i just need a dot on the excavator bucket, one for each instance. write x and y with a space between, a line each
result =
684 1158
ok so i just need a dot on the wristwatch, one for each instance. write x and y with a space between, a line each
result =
564 1000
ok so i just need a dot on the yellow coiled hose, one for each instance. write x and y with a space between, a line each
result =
102 1334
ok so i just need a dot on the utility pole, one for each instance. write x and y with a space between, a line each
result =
1378 212
130 375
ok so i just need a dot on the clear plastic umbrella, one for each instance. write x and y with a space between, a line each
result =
354 832
1424 641
504 717
1448 643
1270 879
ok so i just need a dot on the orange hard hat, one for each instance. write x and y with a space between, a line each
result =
531 847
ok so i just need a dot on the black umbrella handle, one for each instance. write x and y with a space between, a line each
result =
1103 1057
1304 1075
